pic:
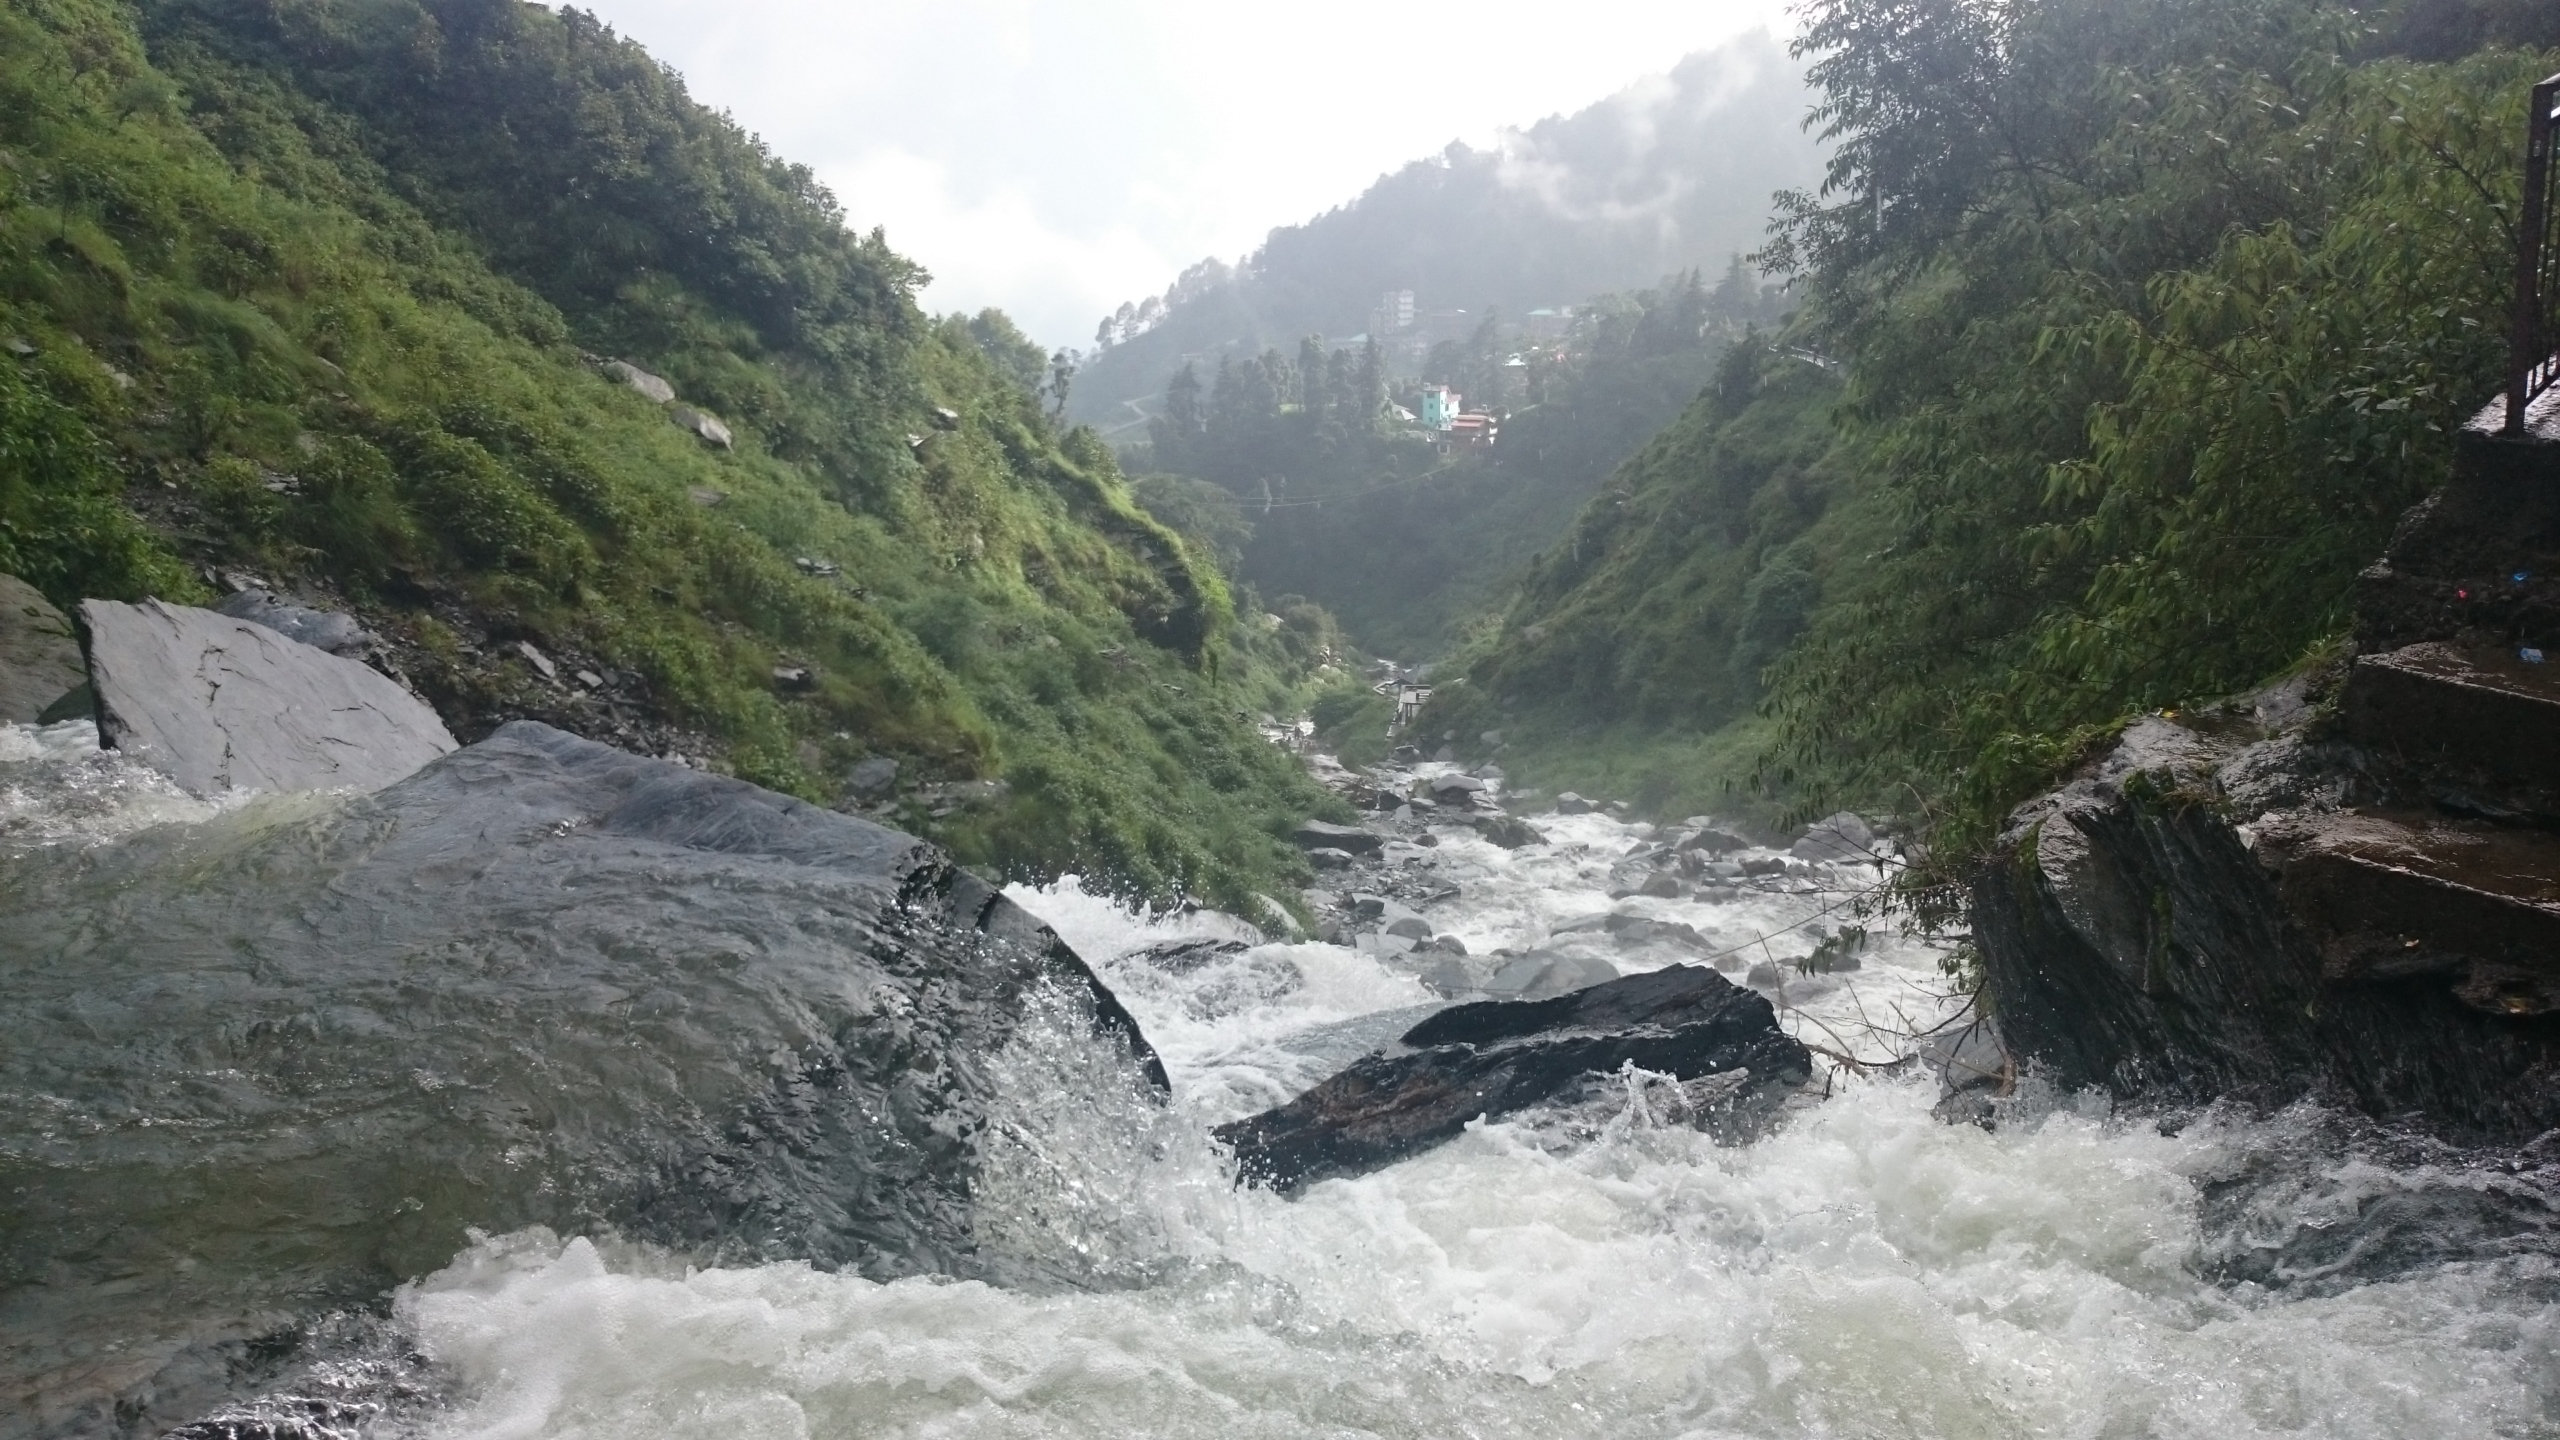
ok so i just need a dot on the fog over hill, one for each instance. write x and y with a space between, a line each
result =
1672 172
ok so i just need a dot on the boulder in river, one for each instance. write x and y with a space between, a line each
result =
294 1055
1497 1057
39 653
217 703
1322 835
1845 839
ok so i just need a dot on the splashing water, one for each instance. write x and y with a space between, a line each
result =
1868 1270
1865 1270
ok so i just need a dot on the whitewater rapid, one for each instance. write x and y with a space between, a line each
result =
1866 1269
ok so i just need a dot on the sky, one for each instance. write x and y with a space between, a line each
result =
1054 158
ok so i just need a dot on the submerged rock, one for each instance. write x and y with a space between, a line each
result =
39 653
217 703
1496 1057
541 982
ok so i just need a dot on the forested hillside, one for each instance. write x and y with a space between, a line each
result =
2152 316
320 291
1405 540
1672 174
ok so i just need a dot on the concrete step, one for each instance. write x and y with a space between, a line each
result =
2390 896
2482 720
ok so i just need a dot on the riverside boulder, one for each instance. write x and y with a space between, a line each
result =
1496 1057
39 653
218 703
541 982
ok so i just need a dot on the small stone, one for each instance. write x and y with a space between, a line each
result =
705 496
537 659
705 426
641 380
17 345
796 678
872 778
591 679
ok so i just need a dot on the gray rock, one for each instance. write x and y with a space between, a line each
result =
1508 831
870 779
39 653
1316 834
78 703
1541 974
320 629
541 982
1711 841
1973 1069
1844 838
1661 885
1569 803
708 427
218 704
640 380
1764 975
534 657
1411 927
1325 857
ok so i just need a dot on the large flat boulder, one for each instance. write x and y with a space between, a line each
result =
1497 1057
39 653
218 703
288 1062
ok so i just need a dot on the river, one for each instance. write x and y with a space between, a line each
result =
1866 1269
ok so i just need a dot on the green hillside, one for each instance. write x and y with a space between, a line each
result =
319 290
2149 318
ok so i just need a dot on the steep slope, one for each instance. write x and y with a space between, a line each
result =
1673 173
1629 661
318 290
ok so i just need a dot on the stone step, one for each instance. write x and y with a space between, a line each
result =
2485 720
2389 896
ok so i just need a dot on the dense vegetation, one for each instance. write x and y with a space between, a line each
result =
1671 173
2153 315
315 288
1334 499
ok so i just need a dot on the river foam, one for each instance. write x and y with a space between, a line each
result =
1867 1270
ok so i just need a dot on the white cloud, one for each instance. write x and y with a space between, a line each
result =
1054 157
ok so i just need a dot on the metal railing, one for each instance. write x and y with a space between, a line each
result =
2533 344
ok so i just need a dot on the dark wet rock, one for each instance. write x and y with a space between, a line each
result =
216 703
329 630
1765 865
541 982
1495 1058
1764 975
1643 930
1569 803
1325 857
1508 831
1713 842
1181 957
2136 939
39 654
1411 927
1320 834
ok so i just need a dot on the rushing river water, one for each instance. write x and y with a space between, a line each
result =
1864 1270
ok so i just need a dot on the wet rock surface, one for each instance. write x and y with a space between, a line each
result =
39 653
1493 1058
2343 885
220 704
541 982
